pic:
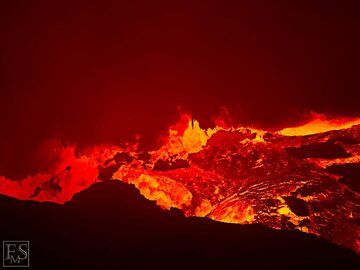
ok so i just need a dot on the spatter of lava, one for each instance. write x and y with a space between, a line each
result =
295 178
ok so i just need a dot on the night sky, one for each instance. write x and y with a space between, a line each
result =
101 71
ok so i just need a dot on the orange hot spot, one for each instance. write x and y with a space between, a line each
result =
194 137
165 191
183 141
234 213
319 125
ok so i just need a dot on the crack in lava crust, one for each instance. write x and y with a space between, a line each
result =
238 175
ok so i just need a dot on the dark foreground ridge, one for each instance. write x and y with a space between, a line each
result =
111 226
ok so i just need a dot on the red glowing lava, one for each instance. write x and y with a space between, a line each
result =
229 174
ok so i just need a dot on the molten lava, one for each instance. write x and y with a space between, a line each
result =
284 179
318 125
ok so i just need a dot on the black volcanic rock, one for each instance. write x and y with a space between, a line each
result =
111 226
326 150
298 206
162 165
350 174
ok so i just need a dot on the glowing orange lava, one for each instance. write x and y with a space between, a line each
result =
318 125
229 174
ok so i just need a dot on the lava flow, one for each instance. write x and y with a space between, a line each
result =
295 178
